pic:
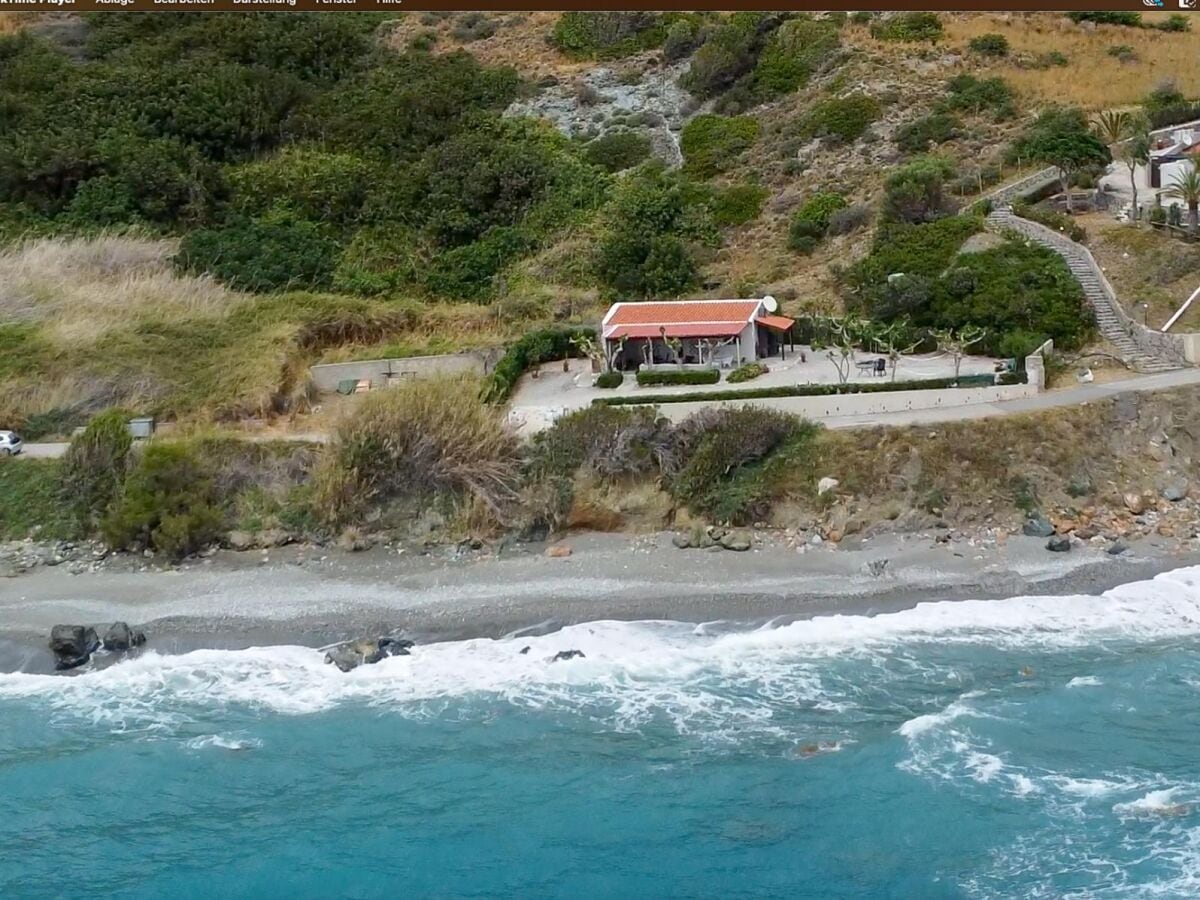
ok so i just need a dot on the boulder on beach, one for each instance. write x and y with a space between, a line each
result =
1058 544
72 645
366 651
567 654
1038 526
738 541
119 637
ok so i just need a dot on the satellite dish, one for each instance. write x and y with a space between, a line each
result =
770 304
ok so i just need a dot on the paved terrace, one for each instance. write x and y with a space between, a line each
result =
537 402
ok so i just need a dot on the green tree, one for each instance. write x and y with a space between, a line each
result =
1186 186
915 192
1126 135
94 467
1061 137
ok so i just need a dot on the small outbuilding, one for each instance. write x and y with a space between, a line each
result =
722 333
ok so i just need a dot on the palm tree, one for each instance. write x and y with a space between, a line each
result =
1186 187
1126 135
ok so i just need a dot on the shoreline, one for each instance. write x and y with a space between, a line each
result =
307 596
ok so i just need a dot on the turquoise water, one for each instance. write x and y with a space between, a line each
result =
1044 747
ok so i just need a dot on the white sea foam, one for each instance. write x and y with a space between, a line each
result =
697 678
223 742
1163 802
1084 681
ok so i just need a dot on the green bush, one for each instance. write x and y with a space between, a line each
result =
647 378
1051 219
608 441
618 150
309 183
819 209
607 35
916 193
729 53
841 120
94 467
730 457
262 254
967 93
795 51
1123 52
1128 19
909 26
609 380
746 372
472 26
931 130
167 504
649 228
1174 23
710 143
738 204
534 348
989 45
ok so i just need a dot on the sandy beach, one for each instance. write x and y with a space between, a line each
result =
313 596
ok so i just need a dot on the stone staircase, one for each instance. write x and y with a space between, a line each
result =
1141 348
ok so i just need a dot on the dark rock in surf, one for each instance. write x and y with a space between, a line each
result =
72 645
525 651
562 655
366 651
119 637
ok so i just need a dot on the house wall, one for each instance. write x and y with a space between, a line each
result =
327 376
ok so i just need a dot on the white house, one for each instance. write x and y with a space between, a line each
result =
709 332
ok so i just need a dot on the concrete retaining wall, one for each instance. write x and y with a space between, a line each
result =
326 377
864 404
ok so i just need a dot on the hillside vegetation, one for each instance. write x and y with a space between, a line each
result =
193 213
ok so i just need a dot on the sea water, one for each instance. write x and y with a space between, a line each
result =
1031 747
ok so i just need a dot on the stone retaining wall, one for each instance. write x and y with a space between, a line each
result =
326 377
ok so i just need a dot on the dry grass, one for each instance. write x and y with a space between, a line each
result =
77 289
428 439
1092 79
1147 266
10 22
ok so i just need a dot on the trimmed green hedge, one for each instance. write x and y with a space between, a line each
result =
609 380
681 376
812 390
747 372
536 347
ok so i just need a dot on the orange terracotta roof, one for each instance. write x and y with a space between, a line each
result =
689 330
678 312
778 323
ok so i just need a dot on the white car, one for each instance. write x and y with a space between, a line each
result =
10 443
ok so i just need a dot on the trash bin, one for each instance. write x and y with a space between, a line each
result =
142 426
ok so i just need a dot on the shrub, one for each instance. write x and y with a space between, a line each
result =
746 372
937 128
167 504
1123 52
724 456
977 95
795 51
909 26
862 17
472 26
729 53
618 150
683 36
420 440
677 376
852 218
738 204
94 466
1051 219
1127 19
1174 23
532 349
607 35
819 209
915 192
261 254
608 441
609 380
989 45
841 120
710 142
